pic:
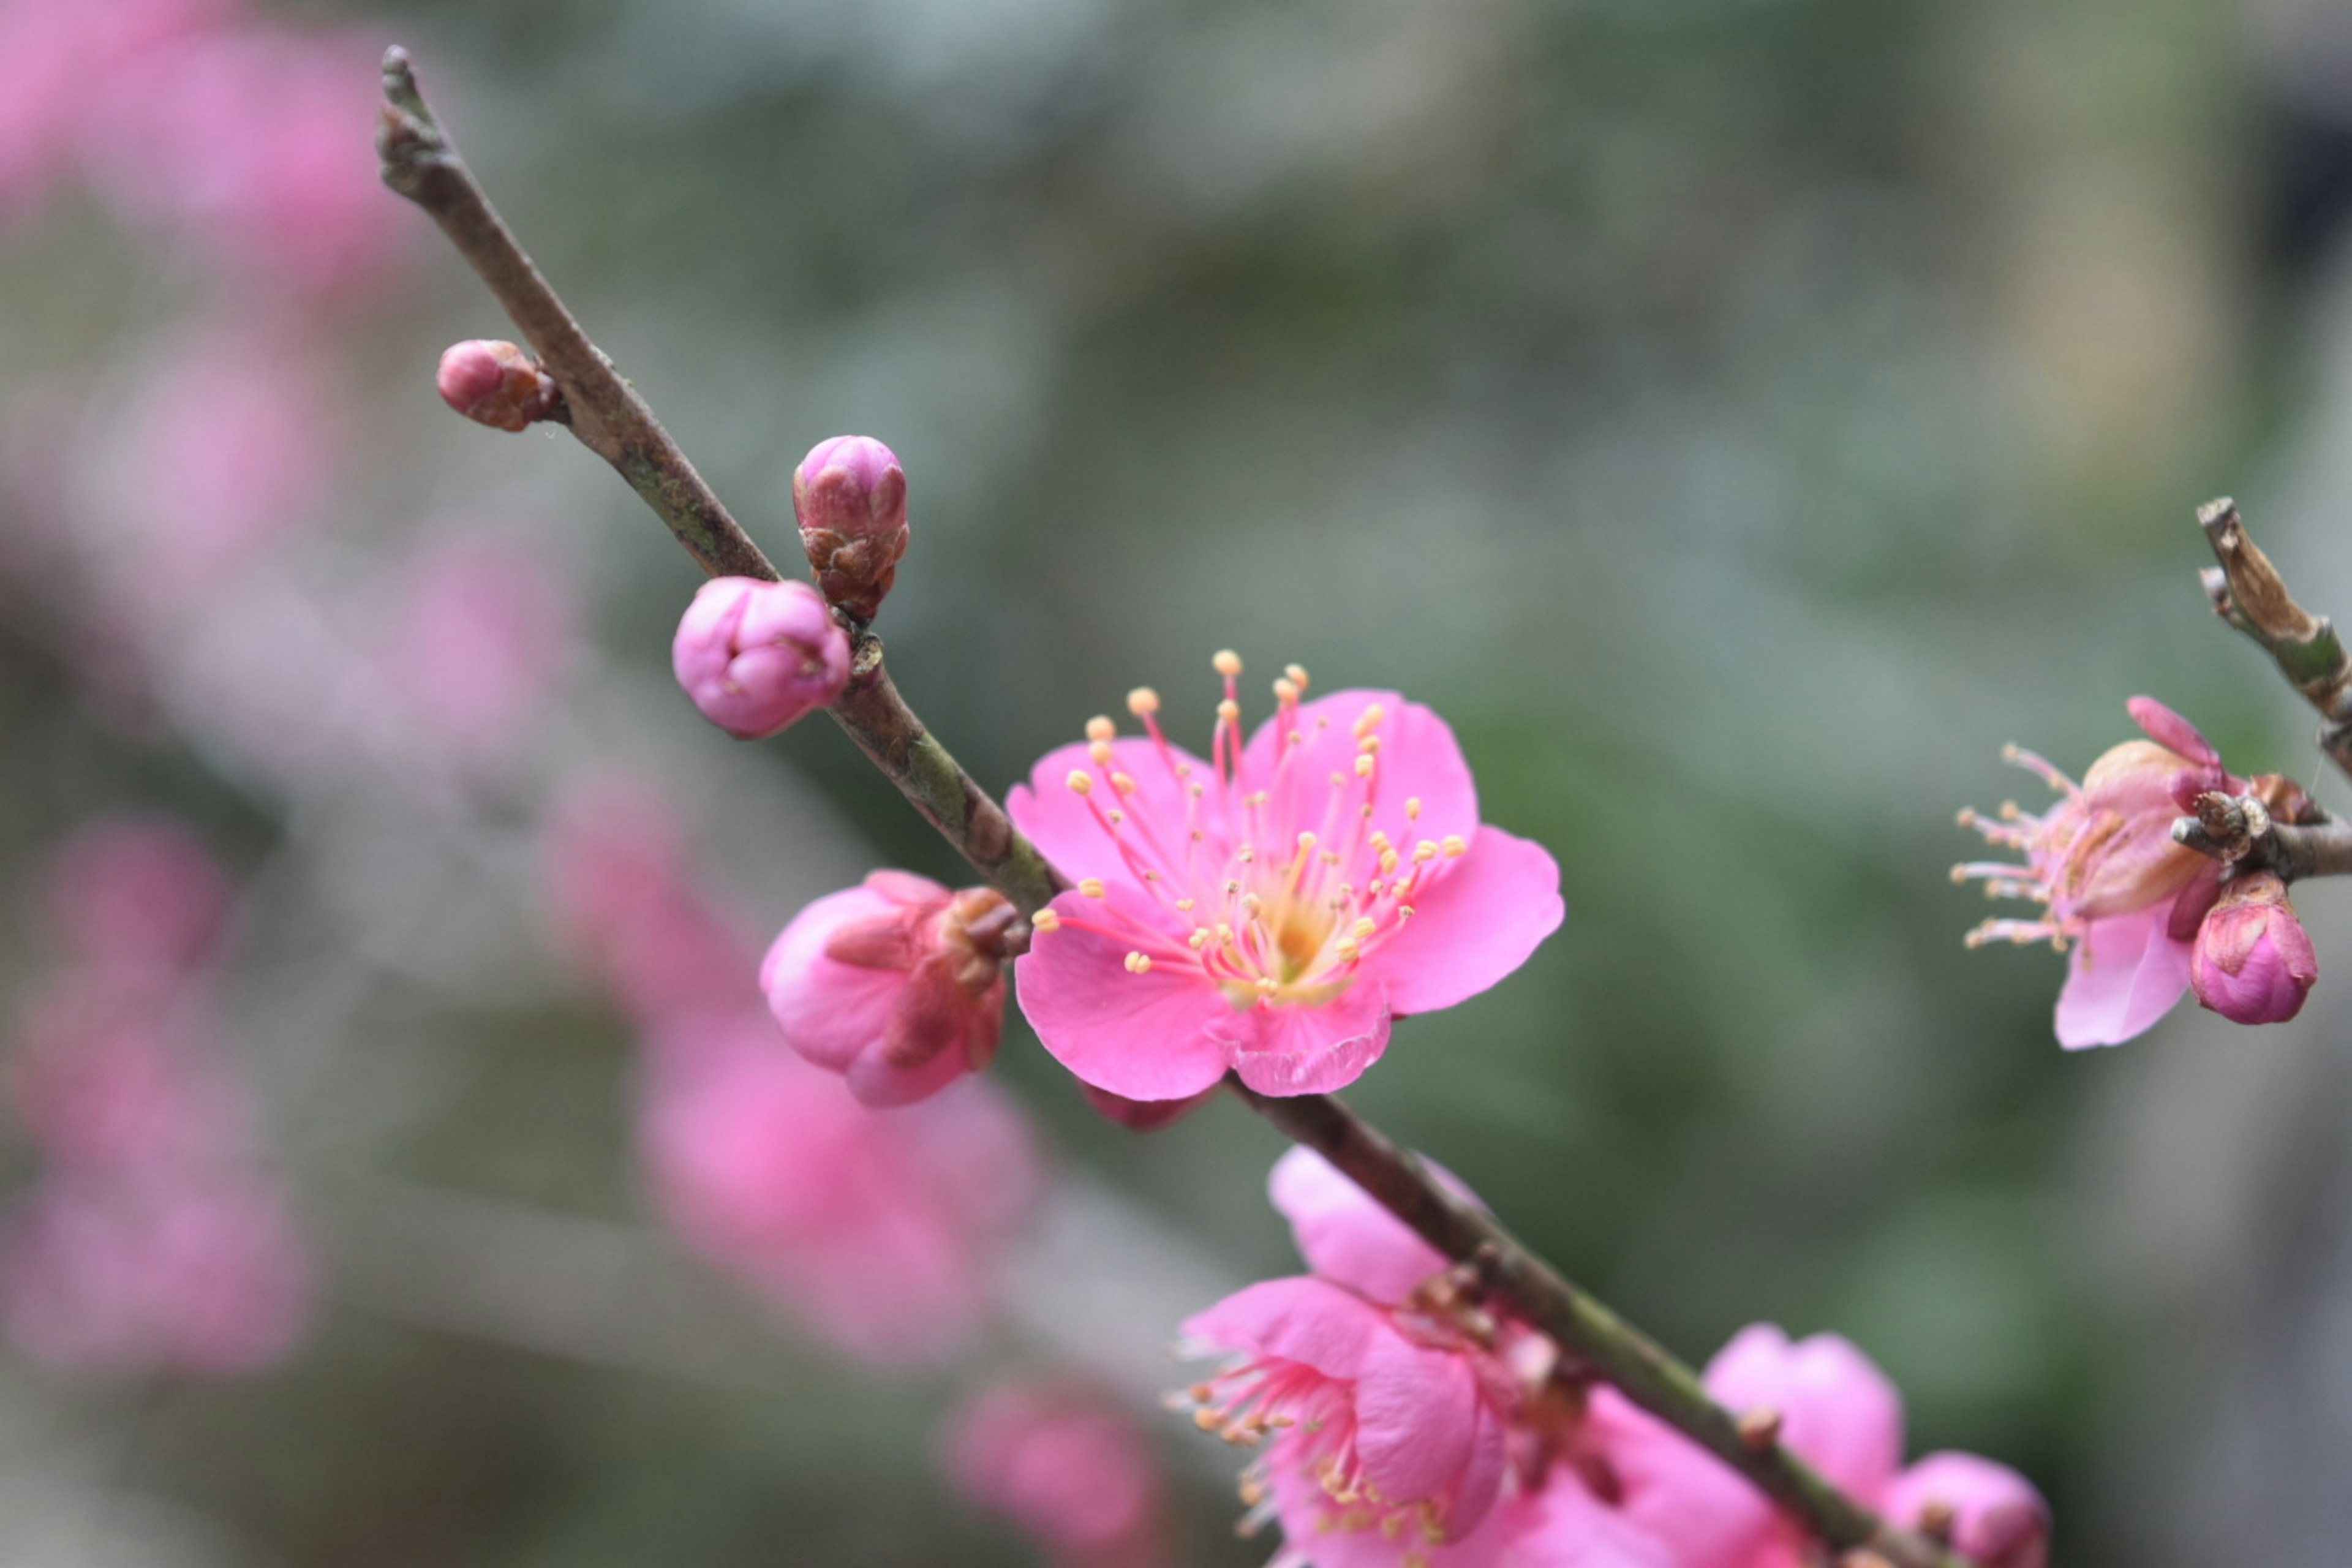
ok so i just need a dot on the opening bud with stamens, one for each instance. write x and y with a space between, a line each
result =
850 495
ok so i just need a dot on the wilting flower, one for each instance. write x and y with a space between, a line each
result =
1267 912
850 495
2119 896
897 983
758 656
878 1230
1068 1467
2254 962
1383 1398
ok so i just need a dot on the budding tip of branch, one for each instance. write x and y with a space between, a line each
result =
1759 1430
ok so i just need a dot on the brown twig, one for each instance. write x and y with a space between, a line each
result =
611 419
2247 591
2295 850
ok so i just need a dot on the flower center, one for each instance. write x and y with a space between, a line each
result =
1273 885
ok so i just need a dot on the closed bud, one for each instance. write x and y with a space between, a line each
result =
851 498
497 385
756 656
898 984
2254 963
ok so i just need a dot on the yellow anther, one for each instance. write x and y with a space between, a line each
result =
1229 711
1115 817
1285 691
1365 926
1424 853
1252 903
1347 949
1092 886
1368 743
1960 875
2008 751
1404 912
1081 781
1245 855
1412 808
1101 751
1369 718
1184 906
1266 985
1100 728
1227 662
1380 841
1199 938
1138 963
1298 676
1453 846
1372 888
1208 1420
1967 818
1142 700
1306 842
2009 812
1121 783
1339 780
1388 862
1044 920
1364 766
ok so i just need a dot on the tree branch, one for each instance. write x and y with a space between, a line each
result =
2247 592
611 419
2295 850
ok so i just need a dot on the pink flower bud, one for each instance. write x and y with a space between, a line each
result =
851 497
2253 963
897 983
756 656
497 385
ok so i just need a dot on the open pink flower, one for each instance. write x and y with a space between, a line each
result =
1386 1403
1270 911
2119 896
897 983
877 1230
1067 1466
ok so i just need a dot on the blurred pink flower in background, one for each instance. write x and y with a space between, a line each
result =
233 442
1065 1464
878 1230
153 1240
483 632
624 905
1267 912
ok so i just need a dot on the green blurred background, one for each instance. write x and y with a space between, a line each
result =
1738 417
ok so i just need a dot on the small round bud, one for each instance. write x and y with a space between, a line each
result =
2254 962
756 656
497 385
851 498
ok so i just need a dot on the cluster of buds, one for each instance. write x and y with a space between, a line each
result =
2149 879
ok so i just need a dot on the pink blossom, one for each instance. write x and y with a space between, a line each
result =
1066 1467
2119 894
105 1081
626 906
1270 911
1995 1517
2254 962
876 1230
201 1272
141 893
850 495
483 632
233 442
253 142
897 983
494 382
1385 1398
758 656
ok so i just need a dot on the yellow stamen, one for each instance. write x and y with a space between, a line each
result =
1364 766
1044 920
1297 674
1142 700
1227 662
1138 963
1100 728
1412 808
1092 886
1229 711
1121 783
1453 846
1369 718
1082 783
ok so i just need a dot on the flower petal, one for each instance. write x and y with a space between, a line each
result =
1061 824
1301 1319
1837 1409
1300 1049
1474 925
2124 975
1145 1036
830 1011
1416 1418
1999 1520
1418 759
1349 1238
